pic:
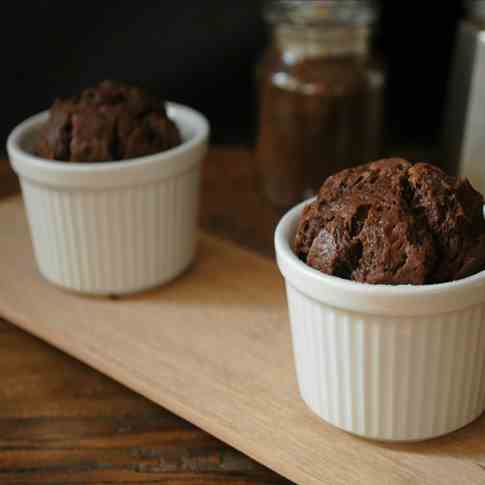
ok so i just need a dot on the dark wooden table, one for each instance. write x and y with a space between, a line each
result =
63 422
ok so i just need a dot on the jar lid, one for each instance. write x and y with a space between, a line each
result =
319 12
476 9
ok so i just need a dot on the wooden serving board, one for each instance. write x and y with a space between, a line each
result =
214 347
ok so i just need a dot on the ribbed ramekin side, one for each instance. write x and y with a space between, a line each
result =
114 240
389 378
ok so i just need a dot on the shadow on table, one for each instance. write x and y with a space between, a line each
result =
465 443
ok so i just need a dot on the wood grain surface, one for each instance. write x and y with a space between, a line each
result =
215 349
64 422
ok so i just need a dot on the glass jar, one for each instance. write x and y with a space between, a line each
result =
476 12
320 96
463 143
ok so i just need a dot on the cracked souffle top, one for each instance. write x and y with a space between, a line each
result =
112 121
390 222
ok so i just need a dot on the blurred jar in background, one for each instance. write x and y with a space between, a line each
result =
464 135
321 96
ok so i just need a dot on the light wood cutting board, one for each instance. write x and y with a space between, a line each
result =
214 347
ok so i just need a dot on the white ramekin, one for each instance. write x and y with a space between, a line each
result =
113 227
397 363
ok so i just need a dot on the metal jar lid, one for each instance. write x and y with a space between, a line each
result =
319 12
476 9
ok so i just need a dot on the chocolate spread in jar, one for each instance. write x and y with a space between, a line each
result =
320 108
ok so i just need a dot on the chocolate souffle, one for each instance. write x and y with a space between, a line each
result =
112 121
391 222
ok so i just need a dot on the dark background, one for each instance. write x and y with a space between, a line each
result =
203 53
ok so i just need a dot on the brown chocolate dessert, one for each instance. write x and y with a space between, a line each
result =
389 222
112 121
